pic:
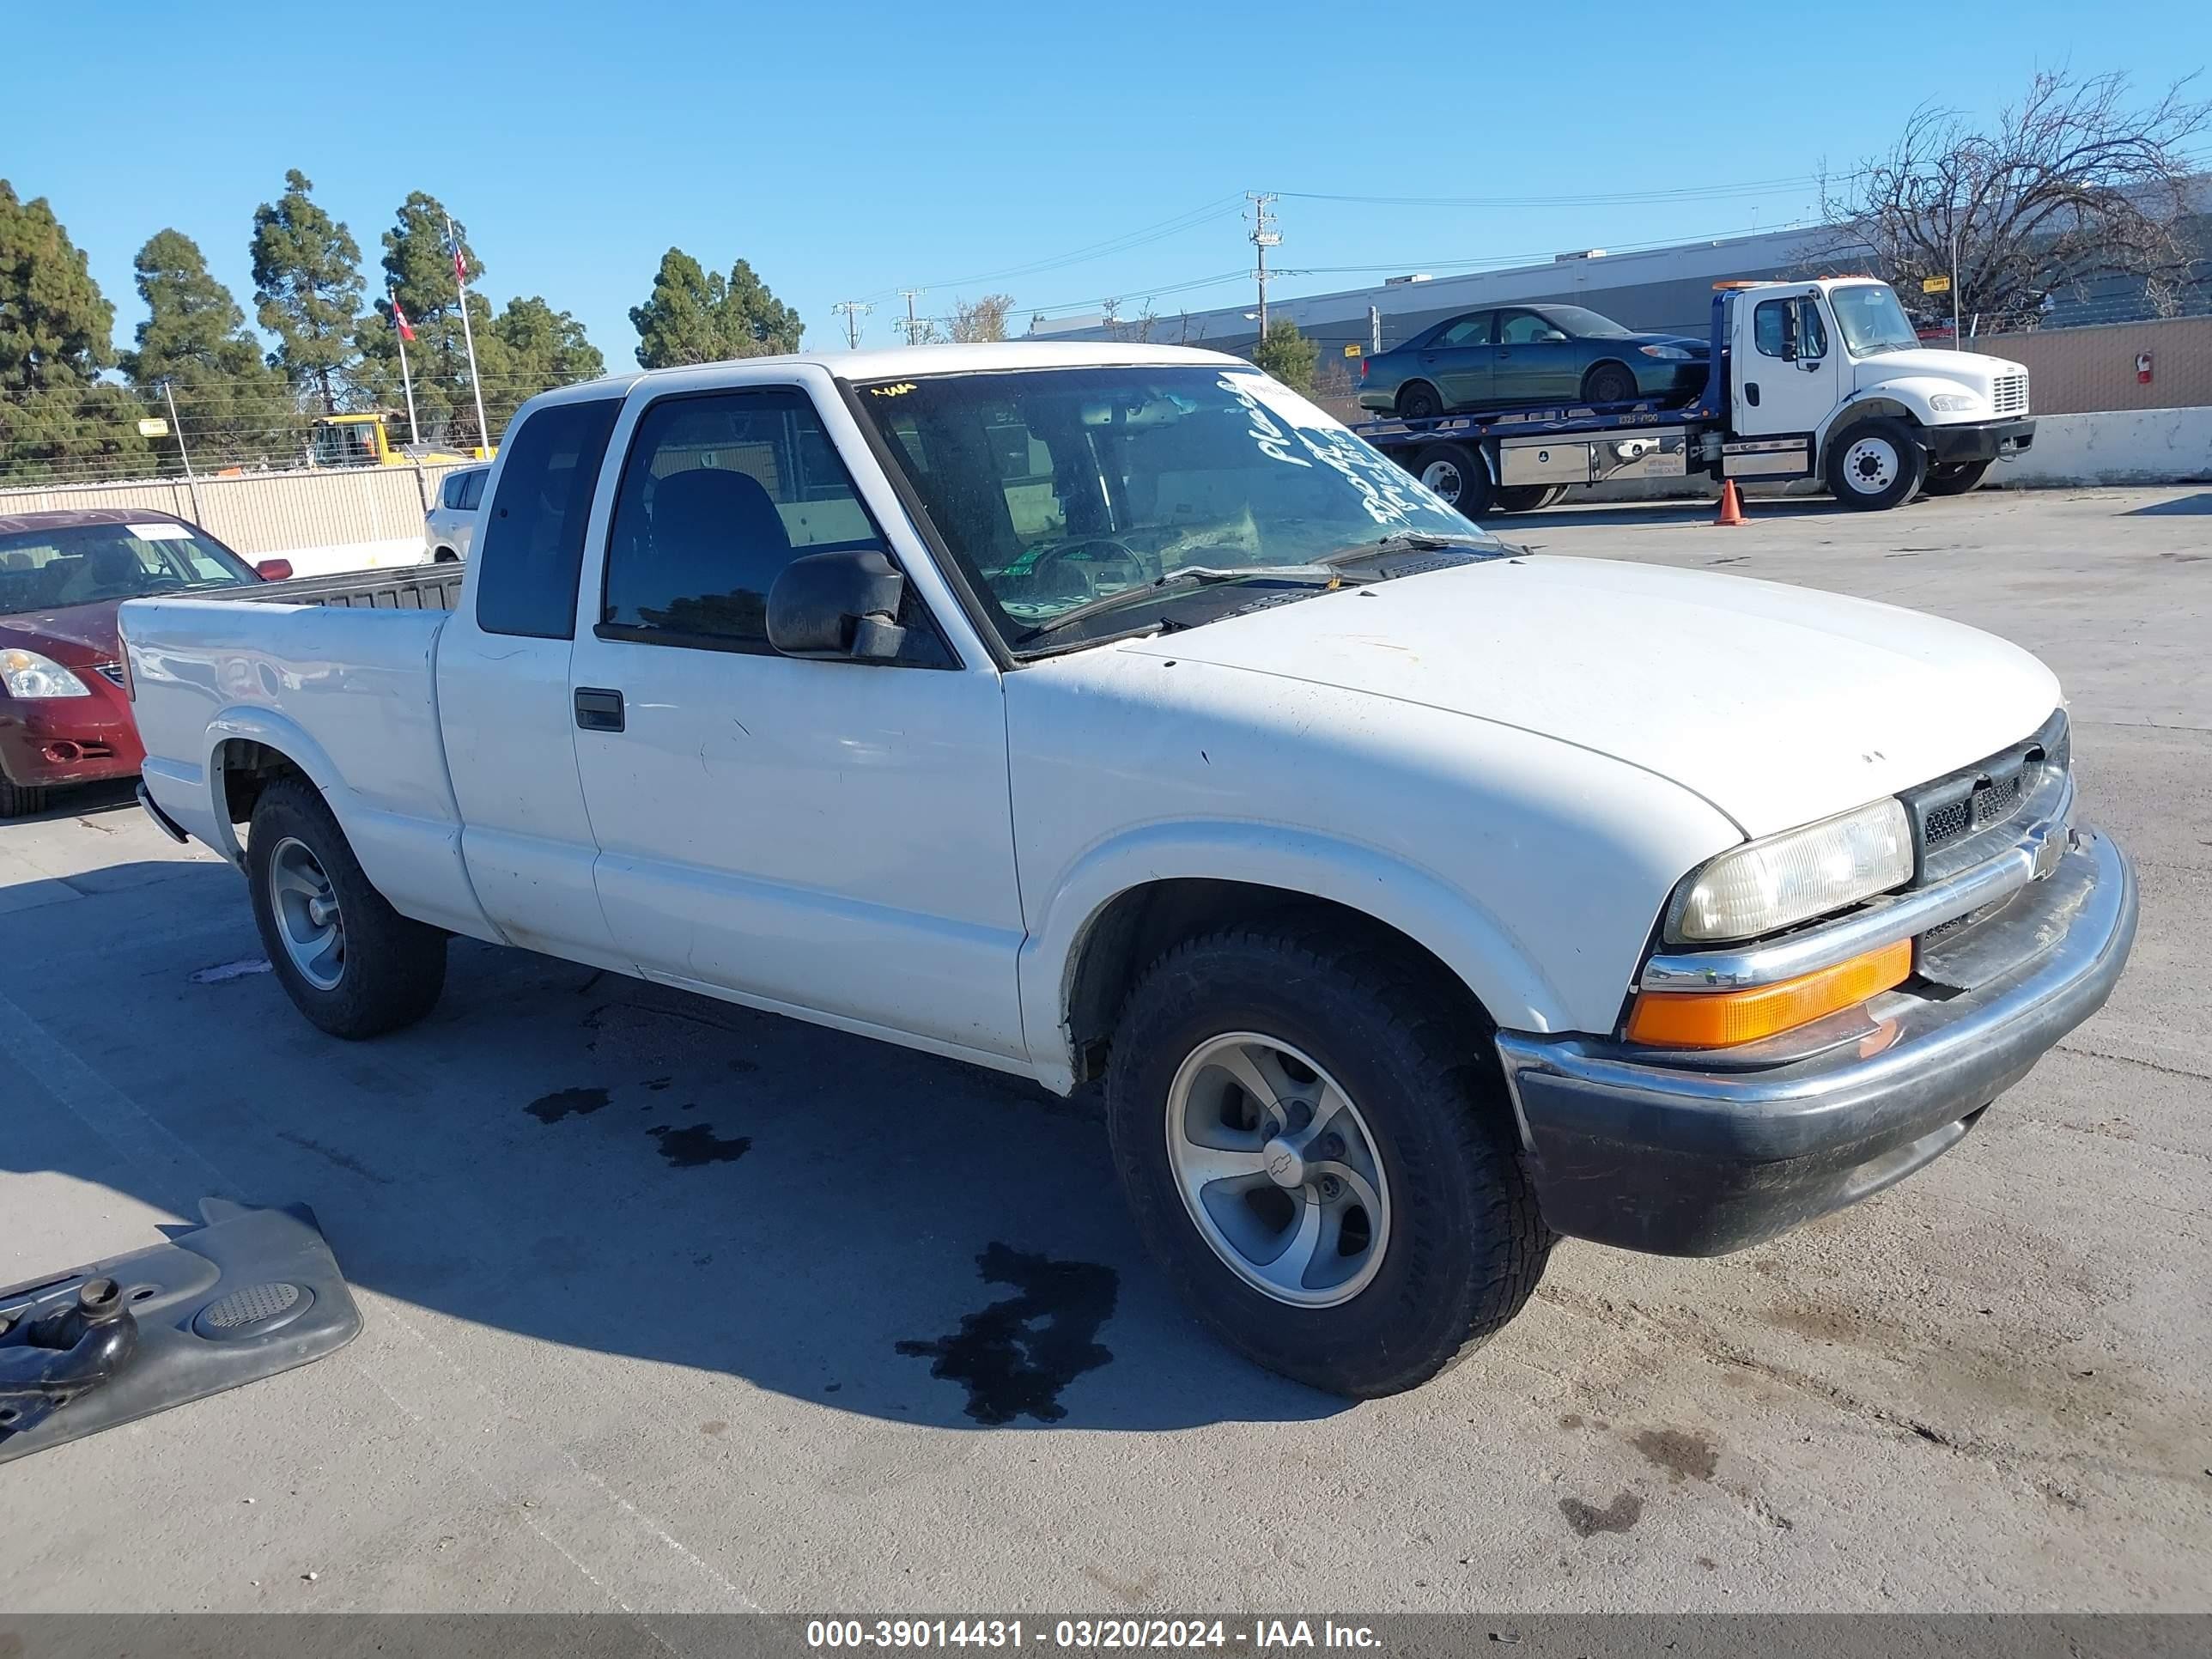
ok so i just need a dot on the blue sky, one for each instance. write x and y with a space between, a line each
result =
850 150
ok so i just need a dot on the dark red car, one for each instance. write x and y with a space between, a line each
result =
64 717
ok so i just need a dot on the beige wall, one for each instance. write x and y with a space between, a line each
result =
2075 371
269 512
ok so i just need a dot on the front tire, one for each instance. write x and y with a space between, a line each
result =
1455 474
1875 464
1956 479
1608 383
1523 498
16 800
351 963
1316 1155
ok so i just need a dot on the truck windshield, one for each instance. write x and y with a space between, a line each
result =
1055 487
1871 320
86 563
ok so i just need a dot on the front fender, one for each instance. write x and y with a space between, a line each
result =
1908 395
1457 929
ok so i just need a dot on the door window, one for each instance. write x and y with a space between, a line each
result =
719 493
1777 322
472 485
1521 328
531 546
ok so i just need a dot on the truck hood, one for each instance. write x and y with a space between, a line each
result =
1778 705
1969 368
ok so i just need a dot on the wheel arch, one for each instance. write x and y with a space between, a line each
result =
248 748
1128 903
1848 415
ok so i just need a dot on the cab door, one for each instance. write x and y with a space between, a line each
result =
504 692
828 838
1790 378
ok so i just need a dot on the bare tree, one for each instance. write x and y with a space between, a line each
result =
984 320
2072 183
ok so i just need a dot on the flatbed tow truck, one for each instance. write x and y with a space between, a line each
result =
1824 379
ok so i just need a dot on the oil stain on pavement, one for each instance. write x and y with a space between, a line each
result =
1619 1516
1016 1355
567 1103
697 1144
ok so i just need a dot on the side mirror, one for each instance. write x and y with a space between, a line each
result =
1550 337
274 570
837 604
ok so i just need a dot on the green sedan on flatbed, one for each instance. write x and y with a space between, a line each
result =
1533 353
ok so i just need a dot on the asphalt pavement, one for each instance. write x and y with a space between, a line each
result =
674 1307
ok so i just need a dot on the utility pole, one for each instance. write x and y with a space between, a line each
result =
852 311
913 325
1264 236
176 425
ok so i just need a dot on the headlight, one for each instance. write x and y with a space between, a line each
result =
1666 354
27 674
1954 403
1767 884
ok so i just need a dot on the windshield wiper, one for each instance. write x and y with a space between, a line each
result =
1321 573
1412 541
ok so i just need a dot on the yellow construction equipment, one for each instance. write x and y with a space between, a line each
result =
367 440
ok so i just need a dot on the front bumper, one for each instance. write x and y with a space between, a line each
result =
1678 1157
1982 440
58 740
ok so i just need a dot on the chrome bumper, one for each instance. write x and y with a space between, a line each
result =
1697 1155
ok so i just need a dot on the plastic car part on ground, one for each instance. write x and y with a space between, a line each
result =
249 1293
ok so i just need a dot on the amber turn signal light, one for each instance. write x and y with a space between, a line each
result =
1720 1020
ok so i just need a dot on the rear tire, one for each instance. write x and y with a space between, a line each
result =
1420 401
1875 464
1608 383
1384 1079
1523 498
1955 480
351 963
17 799
1456 473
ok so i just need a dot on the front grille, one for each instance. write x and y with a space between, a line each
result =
112 671
2009 395
1952 811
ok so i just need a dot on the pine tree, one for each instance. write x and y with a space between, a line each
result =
528 348
1287 354
306 289
419 267
233 407
695 316
58 418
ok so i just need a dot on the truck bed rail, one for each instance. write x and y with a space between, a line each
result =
427 587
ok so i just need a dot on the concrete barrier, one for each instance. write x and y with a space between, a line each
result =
2117 446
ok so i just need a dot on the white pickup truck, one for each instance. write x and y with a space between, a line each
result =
1112 713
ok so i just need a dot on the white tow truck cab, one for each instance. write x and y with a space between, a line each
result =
1824 379
1110 712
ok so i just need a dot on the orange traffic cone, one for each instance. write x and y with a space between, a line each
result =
1731 504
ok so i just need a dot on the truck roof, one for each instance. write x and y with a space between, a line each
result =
886 363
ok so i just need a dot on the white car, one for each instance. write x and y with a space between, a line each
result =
1110 712
450 525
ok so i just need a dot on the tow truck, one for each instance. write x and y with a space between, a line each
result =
1824 379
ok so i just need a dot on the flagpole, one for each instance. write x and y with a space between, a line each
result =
469 338
406 379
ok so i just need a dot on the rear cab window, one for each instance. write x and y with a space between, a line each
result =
530 546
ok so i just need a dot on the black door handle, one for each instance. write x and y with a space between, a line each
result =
599 710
